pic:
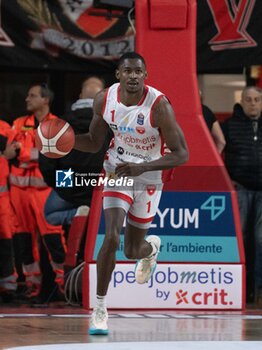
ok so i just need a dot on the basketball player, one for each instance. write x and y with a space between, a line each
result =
141 119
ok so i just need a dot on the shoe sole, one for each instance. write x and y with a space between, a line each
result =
93 331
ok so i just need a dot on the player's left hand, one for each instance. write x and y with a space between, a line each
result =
128 169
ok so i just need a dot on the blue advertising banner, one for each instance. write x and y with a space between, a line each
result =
193 226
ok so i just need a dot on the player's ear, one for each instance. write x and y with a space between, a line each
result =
117 74
146 74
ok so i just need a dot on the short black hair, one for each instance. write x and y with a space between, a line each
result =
44 90
130 55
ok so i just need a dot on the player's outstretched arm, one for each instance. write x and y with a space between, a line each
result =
164 119
94 139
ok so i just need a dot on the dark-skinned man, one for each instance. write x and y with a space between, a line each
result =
147 141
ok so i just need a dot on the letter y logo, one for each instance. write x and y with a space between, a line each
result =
231 21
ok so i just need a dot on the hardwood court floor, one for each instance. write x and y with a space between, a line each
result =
66 325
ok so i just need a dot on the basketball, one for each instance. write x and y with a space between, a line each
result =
55 138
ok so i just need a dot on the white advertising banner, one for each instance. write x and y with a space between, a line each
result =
174 286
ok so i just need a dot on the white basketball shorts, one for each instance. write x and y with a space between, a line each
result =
139 201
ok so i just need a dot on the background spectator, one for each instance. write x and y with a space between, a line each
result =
70 205
62 203
29 193
8 274
243 160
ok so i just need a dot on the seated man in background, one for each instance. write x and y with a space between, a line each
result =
64 203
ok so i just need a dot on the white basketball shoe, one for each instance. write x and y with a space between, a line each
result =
145 267
98 322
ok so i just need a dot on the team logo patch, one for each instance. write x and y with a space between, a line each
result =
120 150
140 119
140 130
151 189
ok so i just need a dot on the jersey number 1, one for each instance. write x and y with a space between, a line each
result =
113 115
148 206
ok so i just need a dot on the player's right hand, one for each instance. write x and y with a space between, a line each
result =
128 169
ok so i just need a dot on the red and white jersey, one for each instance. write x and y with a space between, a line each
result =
135 138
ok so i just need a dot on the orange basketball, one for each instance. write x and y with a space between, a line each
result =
55 138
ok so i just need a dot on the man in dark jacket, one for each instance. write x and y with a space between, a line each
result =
243 159
63 202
